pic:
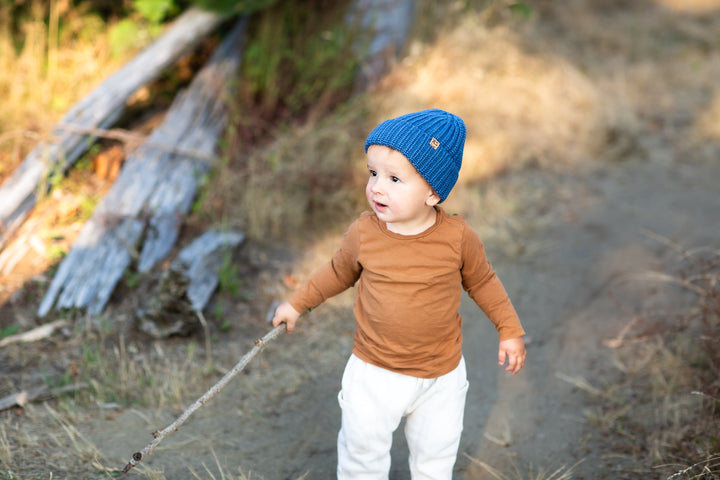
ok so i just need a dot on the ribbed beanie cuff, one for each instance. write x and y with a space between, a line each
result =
432 140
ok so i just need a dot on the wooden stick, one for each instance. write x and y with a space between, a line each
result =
37 394
38 333
260 344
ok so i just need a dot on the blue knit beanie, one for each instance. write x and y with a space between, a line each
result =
433 140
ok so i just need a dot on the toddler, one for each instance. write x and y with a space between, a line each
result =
411 261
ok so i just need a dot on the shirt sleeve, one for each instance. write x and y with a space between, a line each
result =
336 276
483 285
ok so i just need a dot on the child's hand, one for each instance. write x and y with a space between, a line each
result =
512 350
285 313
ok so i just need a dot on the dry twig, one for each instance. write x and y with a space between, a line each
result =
685 283
37 394
580 383
260 344
39 333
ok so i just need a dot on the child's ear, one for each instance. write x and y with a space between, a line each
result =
433 199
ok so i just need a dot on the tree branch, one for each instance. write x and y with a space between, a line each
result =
260 344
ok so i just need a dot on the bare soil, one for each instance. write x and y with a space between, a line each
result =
613 161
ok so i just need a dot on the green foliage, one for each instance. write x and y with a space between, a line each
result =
154 11
327 68
228 7
296 59
521 9
8 331
144 19
85 162
87 207
91 355
143 23
218 311
124 35
57 253
190 352
228 275
132 279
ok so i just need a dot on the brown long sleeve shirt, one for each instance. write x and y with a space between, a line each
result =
408 292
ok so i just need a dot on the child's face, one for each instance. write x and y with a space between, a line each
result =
397 193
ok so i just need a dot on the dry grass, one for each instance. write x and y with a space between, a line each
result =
666 407
562 473
304 181
521 107
120 376
64 54
219 472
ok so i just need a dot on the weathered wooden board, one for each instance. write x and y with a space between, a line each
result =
100 109
142 213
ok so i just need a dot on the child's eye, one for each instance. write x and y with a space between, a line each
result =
373 173
395 179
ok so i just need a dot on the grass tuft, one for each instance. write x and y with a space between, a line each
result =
666 408
562 473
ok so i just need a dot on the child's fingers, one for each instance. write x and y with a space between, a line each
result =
512 351
502 356
284 313
506 354
513 364
289 322
511 358
516 361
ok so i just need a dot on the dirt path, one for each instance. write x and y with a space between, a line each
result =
280 421
574 294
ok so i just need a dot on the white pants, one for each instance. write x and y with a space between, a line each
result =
374 401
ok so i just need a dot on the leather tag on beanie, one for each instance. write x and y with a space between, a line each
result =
434 143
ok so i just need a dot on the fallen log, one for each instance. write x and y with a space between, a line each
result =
141 215
100 109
